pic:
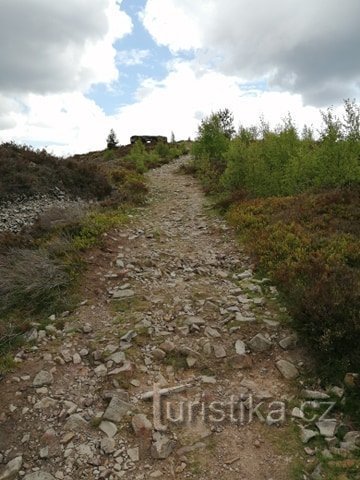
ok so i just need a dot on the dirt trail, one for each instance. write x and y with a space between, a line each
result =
168 298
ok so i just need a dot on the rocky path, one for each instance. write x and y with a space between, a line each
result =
170 304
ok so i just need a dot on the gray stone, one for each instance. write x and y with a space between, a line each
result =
158 354
43 378
287 369
117 357
289 342
76 359
327 428
39 476
75 423
134 454
109 428
212 332
121 294
240 347
219 351
87 328
162 447
259 343
306 435
12 469
107 445
314 395
116 410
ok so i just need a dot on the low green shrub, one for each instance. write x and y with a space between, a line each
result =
309 244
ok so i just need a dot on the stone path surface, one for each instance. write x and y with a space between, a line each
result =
170 303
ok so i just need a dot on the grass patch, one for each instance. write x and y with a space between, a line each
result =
7 364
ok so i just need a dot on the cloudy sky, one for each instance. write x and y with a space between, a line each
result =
71 70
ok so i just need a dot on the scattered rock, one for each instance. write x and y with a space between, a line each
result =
116 410
314 395
162 446
240 347
259 343
327 428
289 342
287 369
43 378
109 428
75 423
39 476
134 454
219 351
122 294
12 469
107 445
307 434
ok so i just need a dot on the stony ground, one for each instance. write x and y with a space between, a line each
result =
170 302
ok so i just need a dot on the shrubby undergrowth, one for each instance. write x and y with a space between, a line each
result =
38 267
295 200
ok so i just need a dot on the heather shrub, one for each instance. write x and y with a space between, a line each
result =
31 279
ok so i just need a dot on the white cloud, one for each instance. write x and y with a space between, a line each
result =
309 48
174 24
186 95
52 47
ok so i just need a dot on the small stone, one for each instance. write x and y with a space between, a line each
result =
156 474
288 342
314 395
66 356
75 423
212 332
87 328
45 403
297 413
287 369
117 357
209 380
219 351
44 453
259 343
162 447
191 361
67 438
307 434
327 428
43 378
39 476
134 454
12 469
158 354
117 409
167 346
109 428
240 347
121 294
76 359
107 445
101 371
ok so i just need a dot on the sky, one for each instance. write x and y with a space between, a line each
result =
72 70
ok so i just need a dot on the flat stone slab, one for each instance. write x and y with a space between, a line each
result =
116 410
287 369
